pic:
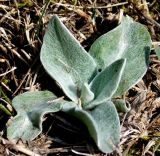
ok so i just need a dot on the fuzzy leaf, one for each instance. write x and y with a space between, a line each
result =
129 40
121 105
106 83
65 59
86 94
31 107
157 50
102 123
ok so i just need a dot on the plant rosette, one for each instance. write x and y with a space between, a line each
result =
122 56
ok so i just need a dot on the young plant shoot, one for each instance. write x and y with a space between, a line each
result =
122 56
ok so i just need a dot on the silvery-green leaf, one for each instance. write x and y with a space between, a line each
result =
157 50
121 105
31 107
86 94
65 59
103 124
129 40
106 83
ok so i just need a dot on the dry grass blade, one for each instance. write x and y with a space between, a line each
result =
143 8
6 87
5 7
8 71
22 82
18 147
82 154
147 148
91 7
